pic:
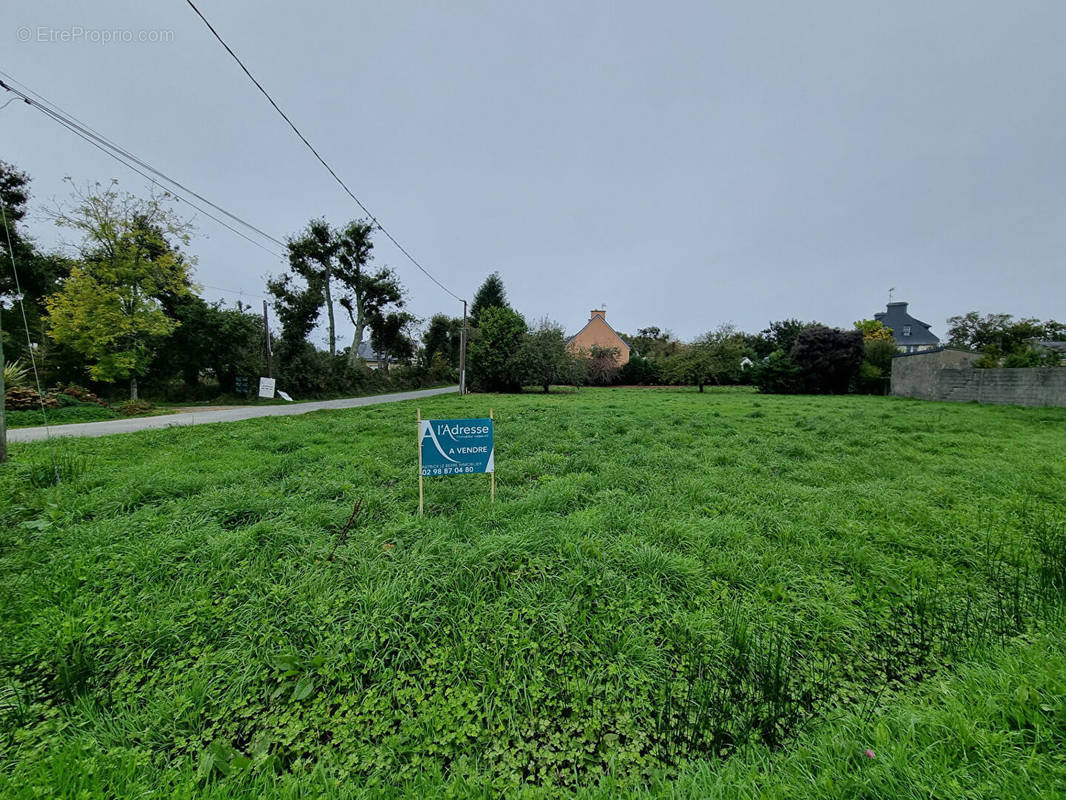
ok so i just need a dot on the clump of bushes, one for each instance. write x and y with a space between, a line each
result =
135 407
78 393
23 398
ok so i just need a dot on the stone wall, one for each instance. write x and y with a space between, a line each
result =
917 374
946 375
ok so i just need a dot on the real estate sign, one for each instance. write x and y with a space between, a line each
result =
456 446
266 388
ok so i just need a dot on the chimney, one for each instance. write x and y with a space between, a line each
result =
901 306
598 312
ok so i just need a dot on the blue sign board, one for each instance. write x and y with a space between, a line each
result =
456 446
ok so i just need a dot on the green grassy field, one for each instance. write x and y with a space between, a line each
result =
675 594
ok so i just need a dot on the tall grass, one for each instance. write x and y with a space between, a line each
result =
669 591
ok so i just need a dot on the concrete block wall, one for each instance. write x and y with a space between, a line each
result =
928 377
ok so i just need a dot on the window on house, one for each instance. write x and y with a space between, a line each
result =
906 330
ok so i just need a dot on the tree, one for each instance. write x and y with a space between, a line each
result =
442 338
313 256
109 308
211 339
876 367
601 365
713 358
491 294
323 256
873 330
390 335
545 359
38 273
829 358
654 343
1002 338
782 334
369 296
494 362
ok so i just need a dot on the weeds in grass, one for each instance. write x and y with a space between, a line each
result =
56 468
656 592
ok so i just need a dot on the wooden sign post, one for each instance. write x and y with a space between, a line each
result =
420 495
455 447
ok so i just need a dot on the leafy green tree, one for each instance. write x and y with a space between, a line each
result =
494 354
313 257
369 295
390 335
491 294
782 334
442 339
211 340
108 308
544 357
829 358
713 358
873 330
876 367
1003 339
332 265
297 307
653 343
976 332
38 273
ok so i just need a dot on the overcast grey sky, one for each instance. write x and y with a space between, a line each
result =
686 163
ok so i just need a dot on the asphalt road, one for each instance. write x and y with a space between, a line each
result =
108 427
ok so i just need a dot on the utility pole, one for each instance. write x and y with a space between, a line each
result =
270 356
462 354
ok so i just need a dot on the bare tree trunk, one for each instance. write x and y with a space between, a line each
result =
133 389
359 321
332 326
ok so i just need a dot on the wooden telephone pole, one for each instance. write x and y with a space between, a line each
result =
462 354
270 356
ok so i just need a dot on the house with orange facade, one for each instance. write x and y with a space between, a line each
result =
597 333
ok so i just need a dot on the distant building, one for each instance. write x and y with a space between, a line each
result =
1048 346
597 333
373 359
911 335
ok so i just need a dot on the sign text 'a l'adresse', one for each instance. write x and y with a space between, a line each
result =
456 446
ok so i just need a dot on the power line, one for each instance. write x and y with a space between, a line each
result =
123 156
321 160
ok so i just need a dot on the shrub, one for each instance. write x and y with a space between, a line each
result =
135 407
16 373
601 366
640 371
777 374
23 398
829 358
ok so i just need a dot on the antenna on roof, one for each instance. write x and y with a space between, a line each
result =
890 293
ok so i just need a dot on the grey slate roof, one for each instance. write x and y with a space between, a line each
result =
1047 344
367 353
897 318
